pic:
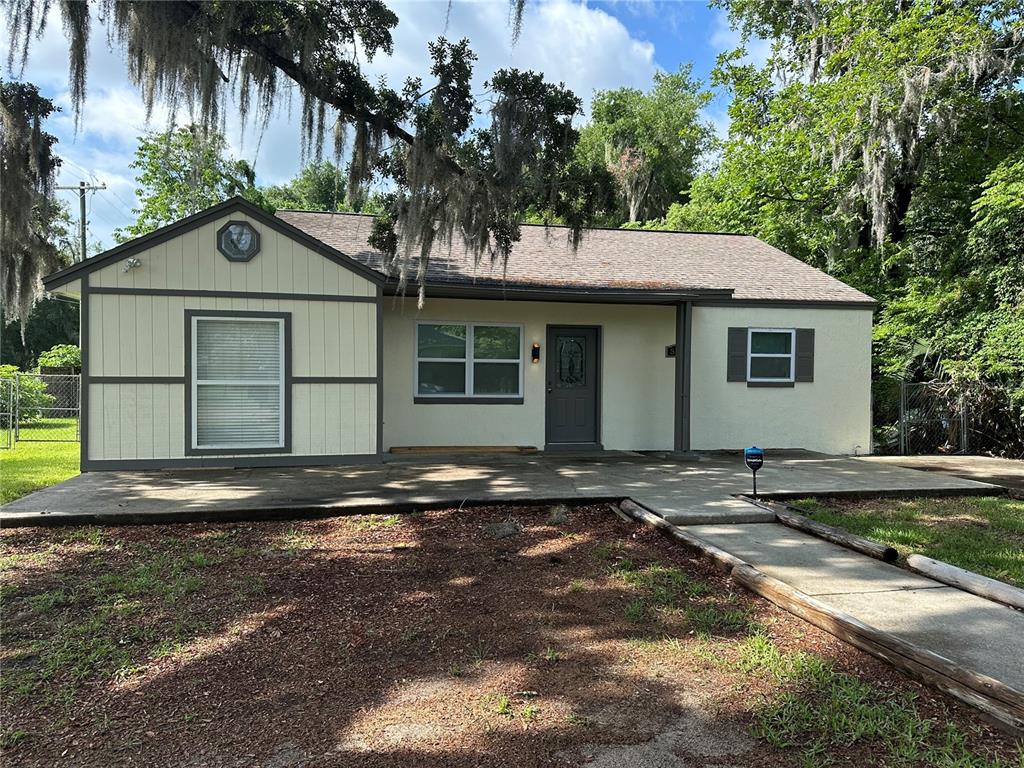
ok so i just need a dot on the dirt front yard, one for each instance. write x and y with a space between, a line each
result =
482 637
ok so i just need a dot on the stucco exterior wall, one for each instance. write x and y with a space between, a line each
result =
637 379
830 414
137 332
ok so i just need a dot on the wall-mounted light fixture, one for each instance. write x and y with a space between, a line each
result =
535 353
132 263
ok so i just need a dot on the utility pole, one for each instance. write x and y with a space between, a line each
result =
82 189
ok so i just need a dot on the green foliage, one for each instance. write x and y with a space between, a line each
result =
181 172
61 356
321 186
51 321
650 142
31 395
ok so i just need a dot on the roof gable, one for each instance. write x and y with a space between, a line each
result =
178 228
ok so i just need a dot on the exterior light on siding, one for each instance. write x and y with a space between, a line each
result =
131 264
535 353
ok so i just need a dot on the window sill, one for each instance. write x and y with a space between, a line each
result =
472 400
774 384
279 450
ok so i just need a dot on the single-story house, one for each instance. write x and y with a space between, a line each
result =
238 338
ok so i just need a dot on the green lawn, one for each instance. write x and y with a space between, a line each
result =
984 534
29 466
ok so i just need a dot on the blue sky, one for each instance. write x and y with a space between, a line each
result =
588 44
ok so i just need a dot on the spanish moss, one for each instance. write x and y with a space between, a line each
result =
28 168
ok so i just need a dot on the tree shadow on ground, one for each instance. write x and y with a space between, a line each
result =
413 640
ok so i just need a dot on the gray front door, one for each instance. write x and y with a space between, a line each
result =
573 386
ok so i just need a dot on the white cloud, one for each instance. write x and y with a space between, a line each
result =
568 41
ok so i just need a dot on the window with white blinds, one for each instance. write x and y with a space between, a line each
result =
237 382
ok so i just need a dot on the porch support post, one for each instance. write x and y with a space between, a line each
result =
684 322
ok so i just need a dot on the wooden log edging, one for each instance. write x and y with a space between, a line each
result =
999 702
788 516
968 581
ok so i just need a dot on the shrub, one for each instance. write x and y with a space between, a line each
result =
61 356
31 399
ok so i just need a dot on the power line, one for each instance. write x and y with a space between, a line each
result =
82 217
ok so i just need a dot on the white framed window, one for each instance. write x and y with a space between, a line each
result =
771 354
469 360
238 382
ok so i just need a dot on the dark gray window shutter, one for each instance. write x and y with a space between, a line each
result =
804 354
736 362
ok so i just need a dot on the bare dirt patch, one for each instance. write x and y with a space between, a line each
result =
414 640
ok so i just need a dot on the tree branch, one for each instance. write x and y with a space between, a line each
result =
344 104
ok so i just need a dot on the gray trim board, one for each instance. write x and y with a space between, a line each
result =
770 384
795 303
201 293
137 380
164 234
473 400
287 318
231 462
441 290
684 341
380 372
83 382
334 379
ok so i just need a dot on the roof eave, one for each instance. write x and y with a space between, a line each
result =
593 294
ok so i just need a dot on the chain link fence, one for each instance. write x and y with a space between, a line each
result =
46 407
932 420
924 417
6 413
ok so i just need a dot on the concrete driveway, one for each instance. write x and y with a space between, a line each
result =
687 489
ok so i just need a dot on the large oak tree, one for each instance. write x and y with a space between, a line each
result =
461 170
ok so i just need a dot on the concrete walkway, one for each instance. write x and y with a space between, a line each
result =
689 489
974 632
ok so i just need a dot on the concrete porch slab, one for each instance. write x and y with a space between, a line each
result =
694 488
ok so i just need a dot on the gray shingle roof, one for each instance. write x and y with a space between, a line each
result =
608 259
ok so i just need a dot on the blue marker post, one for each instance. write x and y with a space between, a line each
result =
753 457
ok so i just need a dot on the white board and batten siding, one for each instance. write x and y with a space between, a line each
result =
142 336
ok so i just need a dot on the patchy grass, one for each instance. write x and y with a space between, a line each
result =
665 591
823 713
94 622
984 534
375 522
28 467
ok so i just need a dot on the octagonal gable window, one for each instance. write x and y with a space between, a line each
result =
238 241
